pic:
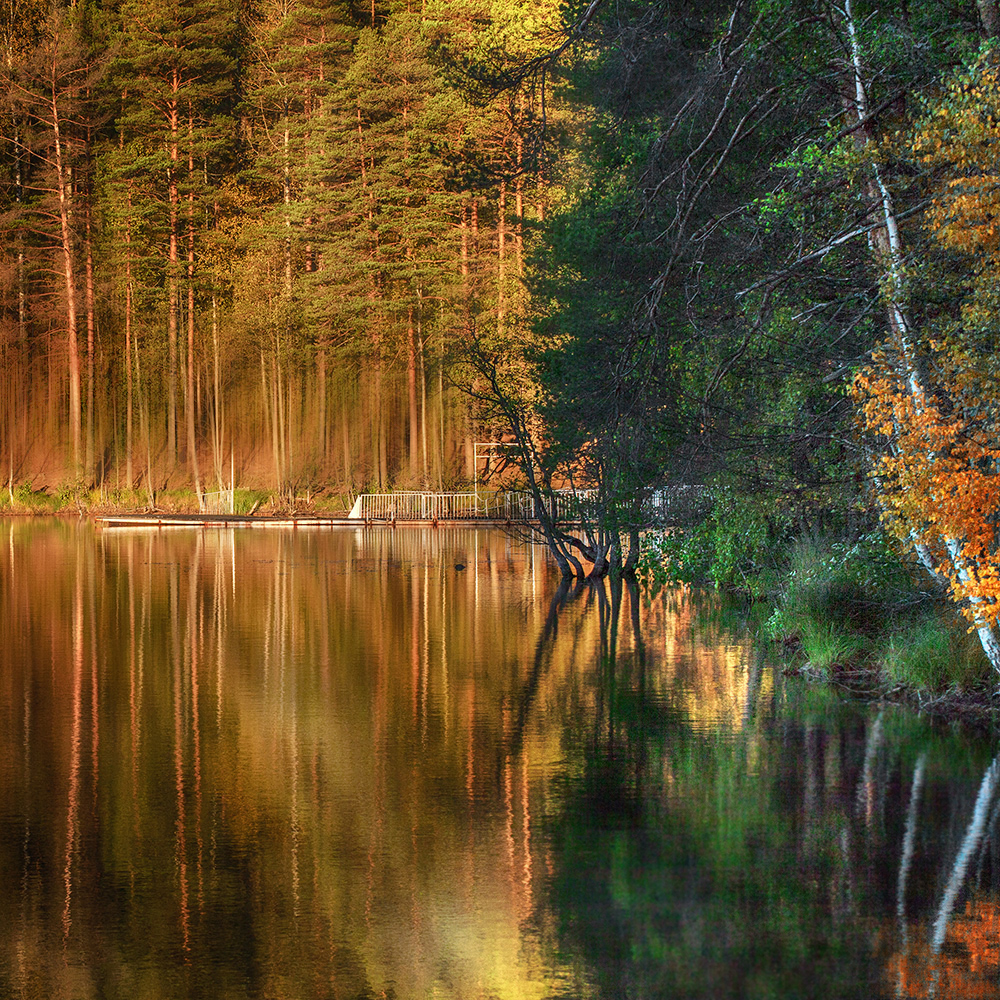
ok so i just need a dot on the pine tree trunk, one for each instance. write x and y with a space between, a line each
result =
129 472
502 256
411 394
173 256
91 337
519 208
217 420
324 436
189 400
64 193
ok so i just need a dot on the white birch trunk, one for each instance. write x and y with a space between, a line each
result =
889 255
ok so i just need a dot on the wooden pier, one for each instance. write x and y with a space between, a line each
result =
415 508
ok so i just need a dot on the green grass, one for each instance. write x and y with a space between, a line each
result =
827 645
861 604
935 654
25 499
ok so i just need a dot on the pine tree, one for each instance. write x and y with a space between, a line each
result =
176 77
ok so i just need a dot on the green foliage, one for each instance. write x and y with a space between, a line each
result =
846 582
739 546
859 602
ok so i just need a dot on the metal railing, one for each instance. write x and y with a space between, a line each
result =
507 506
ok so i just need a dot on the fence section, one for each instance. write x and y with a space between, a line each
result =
509 506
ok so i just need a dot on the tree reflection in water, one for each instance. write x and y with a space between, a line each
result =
805 848
242 764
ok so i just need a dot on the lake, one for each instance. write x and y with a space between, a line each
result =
406 763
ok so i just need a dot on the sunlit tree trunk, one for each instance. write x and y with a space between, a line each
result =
173 258
64 193
129 472
411 393
189 396
217 416
90 310
502 255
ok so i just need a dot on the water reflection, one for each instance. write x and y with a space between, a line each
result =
237 763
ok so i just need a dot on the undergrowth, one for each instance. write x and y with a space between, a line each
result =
861 605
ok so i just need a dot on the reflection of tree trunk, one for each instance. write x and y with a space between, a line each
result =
616 607
193 638
180 828
539 662
73 807
970 842
866 786
909 836
753 685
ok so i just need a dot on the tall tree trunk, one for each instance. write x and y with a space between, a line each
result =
64 192
411 394
217 420
322 418
173 304
990 16
89 307
189 395
422 377
129 472
286 190
502 256
519 207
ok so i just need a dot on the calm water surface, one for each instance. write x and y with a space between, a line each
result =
274 764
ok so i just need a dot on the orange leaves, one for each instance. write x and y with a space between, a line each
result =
938 479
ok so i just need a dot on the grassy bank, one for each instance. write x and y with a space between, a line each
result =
25 499
859 608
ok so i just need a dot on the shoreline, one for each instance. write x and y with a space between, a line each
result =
978 708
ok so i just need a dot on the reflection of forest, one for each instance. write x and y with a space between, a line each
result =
315 764
728 834
278 759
